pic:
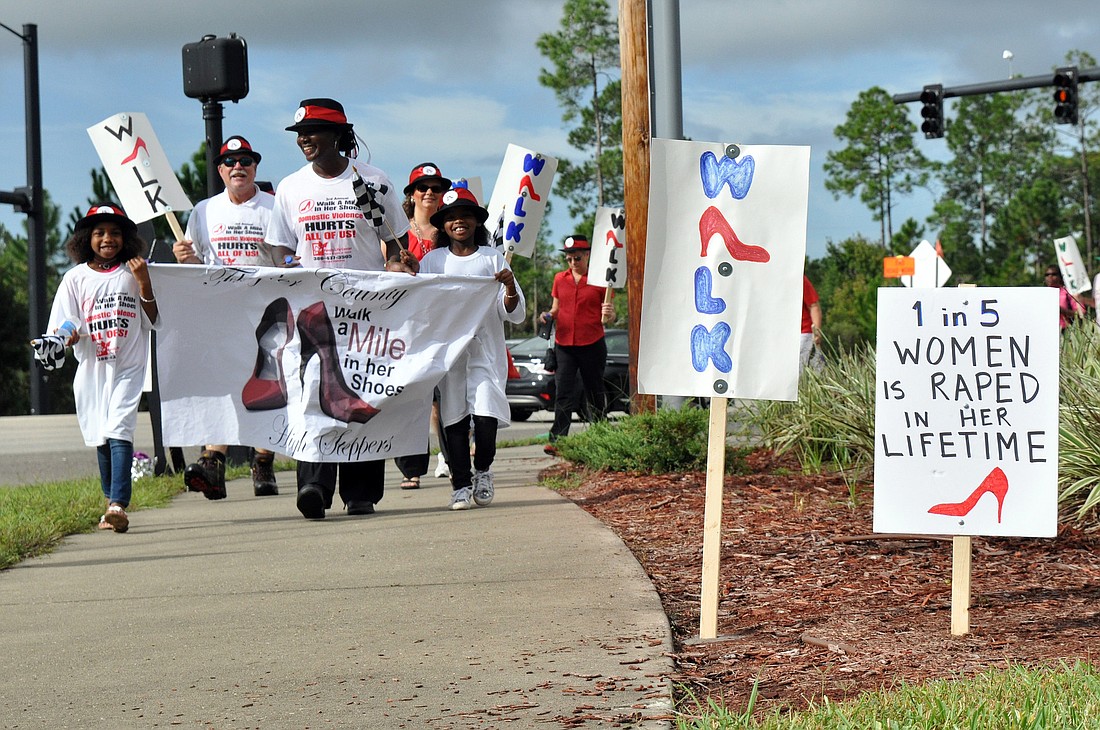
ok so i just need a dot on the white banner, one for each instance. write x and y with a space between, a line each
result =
1074 275
607 265
137 166
966 412
722 300
519 200
318 364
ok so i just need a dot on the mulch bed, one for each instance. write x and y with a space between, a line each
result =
812 604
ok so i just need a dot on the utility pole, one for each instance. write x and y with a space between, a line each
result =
634 55
29 200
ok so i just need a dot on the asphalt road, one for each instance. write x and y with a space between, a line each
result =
50 448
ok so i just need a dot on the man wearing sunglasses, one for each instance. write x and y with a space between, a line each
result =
228 230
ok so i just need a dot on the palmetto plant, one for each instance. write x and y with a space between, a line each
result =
832 424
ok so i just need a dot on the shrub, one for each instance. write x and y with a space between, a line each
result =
653 443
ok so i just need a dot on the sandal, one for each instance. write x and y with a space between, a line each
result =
410 483
116 518
103 523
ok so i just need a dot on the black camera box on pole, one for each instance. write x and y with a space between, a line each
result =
216 69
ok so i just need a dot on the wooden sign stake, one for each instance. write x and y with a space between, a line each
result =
174 225
960 585
712 519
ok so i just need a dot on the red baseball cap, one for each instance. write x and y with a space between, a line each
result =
105 212
576 242
319 113
458 198
234 145
425 171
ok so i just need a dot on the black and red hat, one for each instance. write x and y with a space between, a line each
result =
576 242
458 198
236 145
320 114
105 212
424 172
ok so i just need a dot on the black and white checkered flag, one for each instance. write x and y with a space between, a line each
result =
497 241
369 199
50 351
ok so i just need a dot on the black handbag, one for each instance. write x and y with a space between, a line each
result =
551 361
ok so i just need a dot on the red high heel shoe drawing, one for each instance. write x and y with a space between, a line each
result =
337 399
995 483
266 389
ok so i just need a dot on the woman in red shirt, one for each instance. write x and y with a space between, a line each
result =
579 314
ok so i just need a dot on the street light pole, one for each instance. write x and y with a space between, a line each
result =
36 219
29 200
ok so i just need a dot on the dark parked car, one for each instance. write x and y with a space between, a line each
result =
534 389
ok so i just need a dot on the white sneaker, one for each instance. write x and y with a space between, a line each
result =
483 487
442 470
462 498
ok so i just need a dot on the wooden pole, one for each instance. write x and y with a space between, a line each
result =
633 48
712 519
960 585
174 225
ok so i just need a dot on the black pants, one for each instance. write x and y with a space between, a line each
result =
458 448
417 464
359 481
589 361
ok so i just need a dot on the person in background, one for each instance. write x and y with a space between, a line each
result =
107 306
311 197
228 230
473 390
422 195
579 313
809 344
1069 308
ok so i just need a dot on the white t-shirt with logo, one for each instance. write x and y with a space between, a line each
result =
112 350
225 233
319 219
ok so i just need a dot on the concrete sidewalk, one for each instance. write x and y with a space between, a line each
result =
528 613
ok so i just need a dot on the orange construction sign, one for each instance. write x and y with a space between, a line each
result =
894 267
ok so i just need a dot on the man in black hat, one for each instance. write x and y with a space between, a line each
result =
318 198
228 230
579 314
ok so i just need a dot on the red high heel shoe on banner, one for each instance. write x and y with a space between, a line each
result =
996 483
317 337
266 389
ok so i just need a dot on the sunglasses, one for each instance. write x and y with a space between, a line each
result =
574 256
231 161
1052 273
422 188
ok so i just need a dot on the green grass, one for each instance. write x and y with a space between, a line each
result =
1017 698
34 519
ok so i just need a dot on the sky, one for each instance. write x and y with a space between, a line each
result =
455 83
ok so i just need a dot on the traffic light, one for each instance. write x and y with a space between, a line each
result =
1065 95
931 111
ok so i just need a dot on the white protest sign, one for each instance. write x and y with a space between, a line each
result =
966 411
519 199
324 365
473 184
930 270
722 300
1074 275
137 166
607 265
